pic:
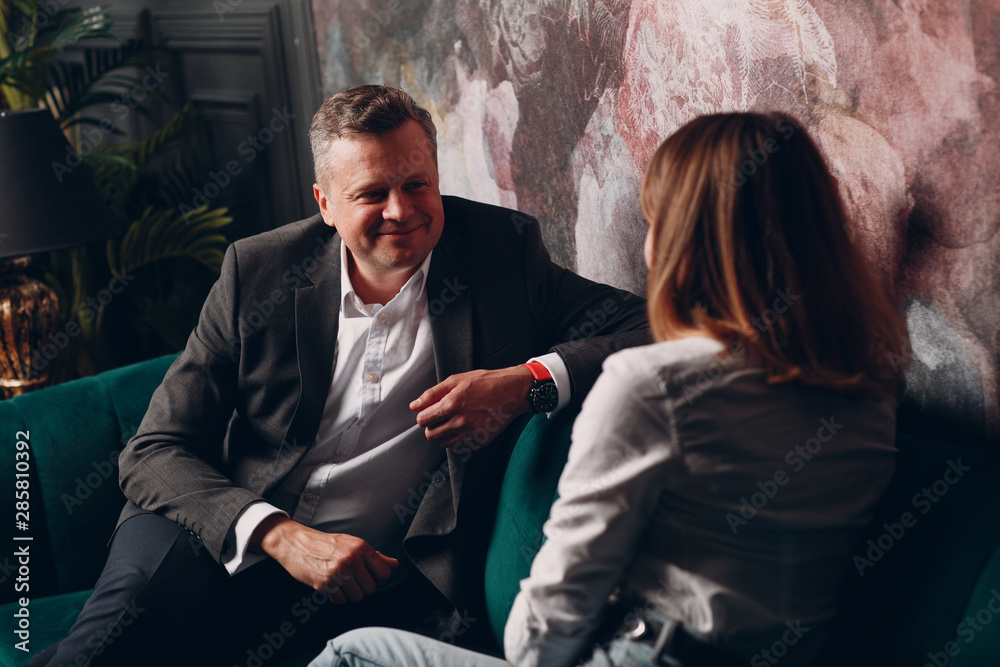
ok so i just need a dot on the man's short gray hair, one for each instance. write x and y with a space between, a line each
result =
369 109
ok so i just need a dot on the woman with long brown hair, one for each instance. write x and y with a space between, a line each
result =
719 479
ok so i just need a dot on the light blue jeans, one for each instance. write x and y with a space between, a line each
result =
384 647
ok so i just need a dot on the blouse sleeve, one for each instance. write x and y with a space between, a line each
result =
623 444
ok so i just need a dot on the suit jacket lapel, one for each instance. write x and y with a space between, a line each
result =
317 310
449 300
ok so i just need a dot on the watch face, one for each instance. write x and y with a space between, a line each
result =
545 397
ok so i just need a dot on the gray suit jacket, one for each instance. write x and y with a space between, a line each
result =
242 404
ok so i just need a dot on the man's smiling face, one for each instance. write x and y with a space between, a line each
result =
383 198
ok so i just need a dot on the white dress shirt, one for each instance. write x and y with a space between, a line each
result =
369 458
669 443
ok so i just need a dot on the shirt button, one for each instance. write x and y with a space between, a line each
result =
360 422
338 459
309 498
357 304
382 317
372 377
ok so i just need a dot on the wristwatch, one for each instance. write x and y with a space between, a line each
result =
543 396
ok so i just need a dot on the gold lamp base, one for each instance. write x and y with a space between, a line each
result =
29 313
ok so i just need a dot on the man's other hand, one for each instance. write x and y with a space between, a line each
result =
343 566
474 406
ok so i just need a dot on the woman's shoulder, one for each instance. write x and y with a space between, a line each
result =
664 359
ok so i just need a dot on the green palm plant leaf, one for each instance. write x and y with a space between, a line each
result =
88 24
164 234
15 11
24 66
22 75
114 176
117 169
144 152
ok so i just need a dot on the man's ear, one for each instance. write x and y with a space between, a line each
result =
324 205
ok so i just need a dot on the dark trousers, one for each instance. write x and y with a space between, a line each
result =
163 600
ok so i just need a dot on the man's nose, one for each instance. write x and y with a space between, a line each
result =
397 207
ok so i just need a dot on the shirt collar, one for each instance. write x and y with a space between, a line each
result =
352 306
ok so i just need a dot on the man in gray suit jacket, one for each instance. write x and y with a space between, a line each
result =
329 416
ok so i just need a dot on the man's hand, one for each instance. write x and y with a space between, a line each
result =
474 406
343 566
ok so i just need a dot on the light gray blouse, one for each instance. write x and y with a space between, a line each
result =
732 505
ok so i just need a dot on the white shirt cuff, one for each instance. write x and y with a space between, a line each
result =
247 523
556 367
528 642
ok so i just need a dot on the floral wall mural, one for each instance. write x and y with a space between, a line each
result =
554 106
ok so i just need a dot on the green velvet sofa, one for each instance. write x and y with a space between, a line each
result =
924 594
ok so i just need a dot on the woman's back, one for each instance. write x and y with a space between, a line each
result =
742 501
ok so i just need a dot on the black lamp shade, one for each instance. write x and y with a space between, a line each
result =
47 198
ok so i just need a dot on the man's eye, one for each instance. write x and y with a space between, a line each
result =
416 186
373 196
